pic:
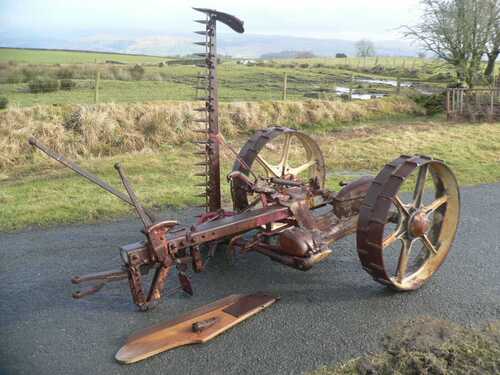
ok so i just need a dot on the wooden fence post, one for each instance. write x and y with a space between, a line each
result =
448 104
350 87
97 81
462 92
398 85
285 84
492 102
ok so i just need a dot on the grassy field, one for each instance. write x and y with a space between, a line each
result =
263 80
430 346
43 193
151 136
33 56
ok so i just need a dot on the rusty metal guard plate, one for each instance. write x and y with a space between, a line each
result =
224 313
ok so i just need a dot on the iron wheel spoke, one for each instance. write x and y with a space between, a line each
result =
420 185
270 169
400 205
435 205
302 168
389 240
404 258
285 153
428 244
400 230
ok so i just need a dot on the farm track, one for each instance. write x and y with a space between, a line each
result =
330 314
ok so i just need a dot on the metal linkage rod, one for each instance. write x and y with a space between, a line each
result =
138 207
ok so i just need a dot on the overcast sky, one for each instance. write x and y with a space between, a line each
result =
346 19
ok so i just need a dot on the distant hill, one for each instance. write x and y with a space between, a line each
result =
246 45
288 55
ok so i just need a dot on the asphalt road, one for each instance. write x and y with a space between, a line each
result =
329 314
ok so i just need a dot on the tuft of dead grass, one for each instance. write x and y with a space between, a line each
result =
430 346
93 131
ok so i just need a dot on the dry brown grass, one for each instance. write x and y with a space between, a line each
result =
92 131
430 346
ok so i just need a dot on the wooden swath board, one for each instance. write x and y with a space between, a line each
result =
195 327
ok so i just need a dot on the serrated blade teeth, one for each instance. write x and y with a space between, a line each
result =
204 32
206 99
204 109
203 22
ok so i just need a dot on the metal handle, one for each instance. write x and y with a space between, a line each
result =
204 324
135 202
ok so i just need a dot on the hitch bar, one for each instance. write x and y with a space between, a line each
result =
101 278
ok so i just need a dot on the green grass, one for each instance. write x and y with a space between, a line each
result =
69 57
110 91
240 84
44 194
55 195
237 82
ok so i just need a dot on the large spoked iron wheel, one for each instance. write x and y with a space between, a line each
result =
277 152
408 222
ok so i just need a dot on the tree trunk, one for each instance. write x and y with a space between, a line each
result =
490 68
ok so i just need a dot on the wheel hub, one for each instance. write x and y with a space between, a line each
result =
418 224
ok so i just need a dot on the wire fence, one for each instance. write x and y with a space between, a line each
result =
473 104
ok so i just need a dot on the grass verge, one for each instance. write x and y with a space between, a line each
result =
113 129
41 193
430 346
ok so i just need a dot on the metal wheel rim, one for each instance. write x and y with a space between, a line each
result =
250 154
437 239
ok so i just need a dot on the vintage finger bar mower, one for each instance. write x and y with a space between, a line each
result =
282 209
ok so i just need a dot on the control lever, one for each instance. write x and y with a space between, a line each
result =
140 210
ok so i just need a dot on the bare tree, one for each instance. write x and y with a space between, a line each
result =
493 45
365 48
457 31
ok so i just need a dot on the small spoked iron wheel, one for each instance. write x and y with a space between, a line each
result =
277 152
408 222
